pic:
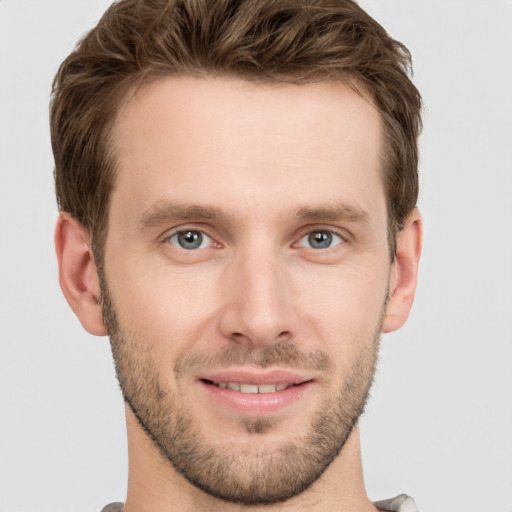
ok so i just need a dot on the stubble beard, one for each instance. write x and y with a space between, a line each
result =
248 475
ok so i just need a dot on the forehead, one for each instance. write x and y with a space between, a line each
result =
227 141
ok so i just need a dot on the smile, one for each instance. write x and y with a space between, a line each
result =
257 391
251 388
257 395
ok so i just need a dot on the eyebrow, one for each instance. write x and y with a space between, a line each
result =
164 212
161 213
337 212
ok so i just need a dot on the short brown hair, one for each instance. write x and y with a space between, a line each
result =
295 41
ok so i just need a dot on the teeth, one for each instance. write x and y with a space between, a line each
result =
252 388
248 388
267 388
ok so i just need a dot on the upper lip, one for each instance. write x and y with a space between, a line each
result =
257 377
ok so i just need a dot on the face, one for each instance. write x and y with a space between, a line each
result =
245 276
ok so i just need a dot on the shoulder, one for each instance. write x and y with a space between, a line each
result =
113 507
401 503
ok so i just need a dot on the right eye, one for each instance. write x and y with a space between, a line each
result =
190 239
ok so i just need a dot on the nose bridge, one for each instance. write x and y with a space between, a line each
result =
259 308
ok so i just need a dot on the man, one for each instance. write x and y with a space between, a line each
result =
237 184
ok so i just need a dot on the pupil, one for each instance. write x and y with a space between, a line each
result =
320 239
190 239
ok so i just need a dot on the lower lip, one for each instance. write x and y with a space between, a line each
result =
257 403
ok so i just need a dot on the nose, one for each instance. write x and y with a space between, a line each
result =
258 307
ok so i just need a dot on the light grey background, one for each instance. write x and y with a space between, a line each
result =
439 424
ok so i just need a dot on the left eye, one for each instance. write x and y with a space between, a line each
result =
190 239
320 239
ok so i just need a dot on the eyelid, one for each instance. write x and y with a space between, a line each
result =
342 233
206 241
334 234
167 235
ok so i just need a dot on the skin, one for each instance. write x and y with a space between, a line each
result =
274 163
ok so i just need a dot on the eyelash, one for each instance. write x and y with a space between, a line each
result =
182 231
332 234
343 238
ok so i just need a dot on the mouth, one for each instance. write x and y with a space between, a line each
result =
253 388
249 393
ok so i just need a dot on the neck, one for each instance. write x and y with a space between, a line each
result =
155 486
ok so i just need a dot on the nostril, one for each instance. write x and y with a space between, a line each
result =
240 338
257 340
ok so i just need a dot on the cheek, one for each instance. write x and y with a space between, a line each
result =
345 308
177 309
168 307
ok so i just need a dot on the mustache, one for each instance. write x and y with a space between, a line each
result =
282 354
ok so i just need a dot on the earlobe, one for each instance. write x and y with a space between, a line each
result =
404 273
78 276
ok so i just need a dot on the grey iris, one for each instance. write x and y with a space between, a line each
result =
190 239
320 239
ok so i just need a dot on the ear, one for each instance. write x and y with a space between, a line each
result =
78 276
404 273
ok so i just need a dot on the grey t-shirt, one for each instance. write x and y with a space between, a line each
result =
401 503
